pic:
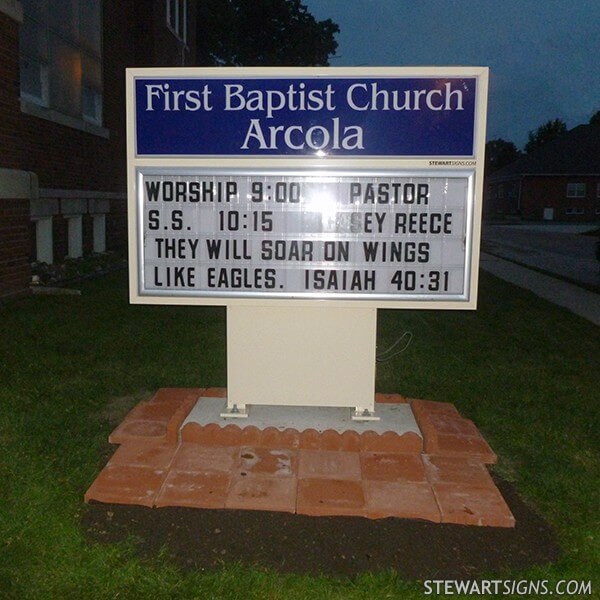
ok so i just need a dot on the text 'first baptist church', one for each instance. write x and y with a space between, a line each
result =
298 97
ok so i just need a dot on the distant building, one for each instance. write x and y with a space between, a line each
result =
560 181
62 120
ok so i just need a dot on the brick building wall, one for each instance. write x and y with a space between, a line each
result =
544 197
14 208
502 199
62 157
14 245
10 110
551 193
76 163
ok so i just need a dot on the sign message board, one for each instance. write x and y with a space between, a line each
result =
352 186
290 235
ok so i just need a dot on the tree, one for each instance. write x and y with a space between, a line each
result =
499 153
262 33
595 118
545 133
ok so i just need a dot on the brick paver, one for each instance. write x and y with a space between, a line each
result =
441 477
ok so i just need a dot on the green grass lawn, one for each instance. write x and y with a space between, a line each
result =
525 371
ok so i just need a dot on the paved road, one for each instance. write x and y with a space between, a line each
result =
556 248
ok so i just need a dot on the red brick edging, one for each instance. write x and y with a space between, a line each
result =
441 478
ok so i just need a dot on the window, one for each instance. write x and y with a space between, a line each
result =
91 105
575 190
575 211
34 59
61 56
177 18
34 80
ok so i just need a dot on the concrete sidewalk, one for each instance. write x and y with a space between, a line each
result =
582 302
558 249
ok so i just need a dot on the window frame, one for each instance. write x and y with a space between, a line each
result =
44 99
575 210
98 98
573 189
174 28
43 106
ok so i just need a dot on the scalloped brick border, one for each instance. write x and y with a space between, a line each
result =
444 431
309 439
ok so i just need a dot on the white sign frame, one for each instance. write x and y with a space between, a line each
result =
418 166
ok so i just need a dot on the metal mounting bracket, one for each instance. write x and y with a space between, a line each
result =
364 414
235 413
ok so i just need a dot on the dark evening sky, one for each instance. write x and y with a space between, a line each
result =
544 55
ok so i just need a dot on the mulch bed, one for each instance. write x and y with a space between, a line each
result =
199 539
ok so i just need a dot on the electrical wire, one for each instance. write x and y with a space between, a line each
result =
389 353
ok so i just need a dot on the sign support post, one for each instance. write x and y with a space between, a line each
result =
303 200
301 357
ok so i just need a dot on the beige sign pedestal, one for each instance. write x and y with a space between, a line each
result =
318 356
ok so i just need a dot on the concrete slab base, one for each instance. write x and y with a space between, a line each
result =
423 460
398 418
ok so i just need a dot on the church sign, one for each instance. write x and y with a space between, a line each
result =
345 185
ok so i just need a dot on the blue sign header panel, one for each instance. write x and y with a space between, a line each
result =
387 117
